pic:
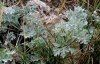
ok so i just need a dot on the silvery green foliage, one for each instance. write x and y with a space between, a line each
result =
35 57
62 51
29 27
9 10
62 48
72 30
36 42
11 14
31 20
27 9
98 19
10 36
5 55
27 31
10 18
75 27
3 29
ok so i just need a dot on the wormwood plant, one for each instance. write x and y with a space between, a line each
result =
74 30
18 24
15 28
5 55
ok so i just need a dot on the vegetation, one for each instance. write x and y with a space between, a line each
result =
33 33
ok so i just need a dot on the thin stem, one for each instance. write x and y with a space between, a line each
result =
71 56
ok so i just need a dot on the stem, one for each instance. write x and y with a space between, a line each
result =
24 40
71 56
